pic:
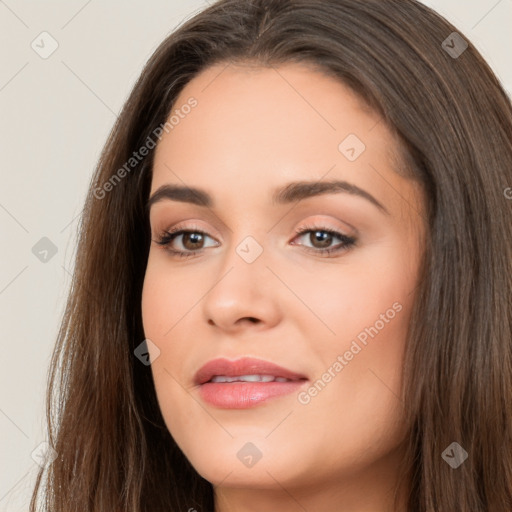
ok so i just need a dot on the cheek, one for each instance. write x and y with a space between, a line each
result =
371 288
355 394
167 296
366 307
164 303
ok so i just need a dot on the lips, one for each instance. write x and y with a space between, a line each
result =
222 367
245 383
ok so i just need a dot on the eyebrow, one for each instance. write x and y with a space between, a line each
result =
291 192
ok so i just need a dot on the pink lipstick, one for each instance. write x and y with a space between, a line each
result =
245 382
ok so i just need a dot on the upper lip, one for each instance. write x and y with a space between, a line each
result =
243 366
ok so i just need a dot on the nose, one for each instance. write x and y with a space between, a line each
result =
243 294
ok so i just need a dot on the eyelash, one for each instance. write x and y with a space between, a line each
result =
168 236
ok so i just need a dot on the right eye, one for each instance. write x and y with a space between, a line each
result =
191 237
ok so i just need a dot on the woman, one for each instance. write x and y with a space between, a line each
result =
293 286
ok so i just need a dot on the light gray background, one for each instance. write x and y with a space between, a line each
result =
55 116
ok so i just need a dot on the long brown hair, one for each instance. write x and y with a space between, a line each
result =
454 121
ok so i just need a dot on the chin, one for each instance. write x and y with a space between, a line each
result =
244 461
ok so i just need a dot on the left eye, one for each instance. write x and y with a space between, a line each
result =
324 238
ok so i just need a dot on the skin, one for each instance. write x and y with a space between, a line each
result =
255 129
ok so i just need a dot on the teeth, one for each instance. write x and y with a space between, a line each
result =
249 378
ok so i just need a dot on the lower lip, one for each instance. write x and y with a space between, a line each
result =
242 395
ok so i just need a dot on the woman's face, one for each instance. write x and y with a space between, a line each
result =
253 286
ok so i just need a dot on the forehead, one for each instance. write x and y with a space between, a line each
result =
293 101
261 127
